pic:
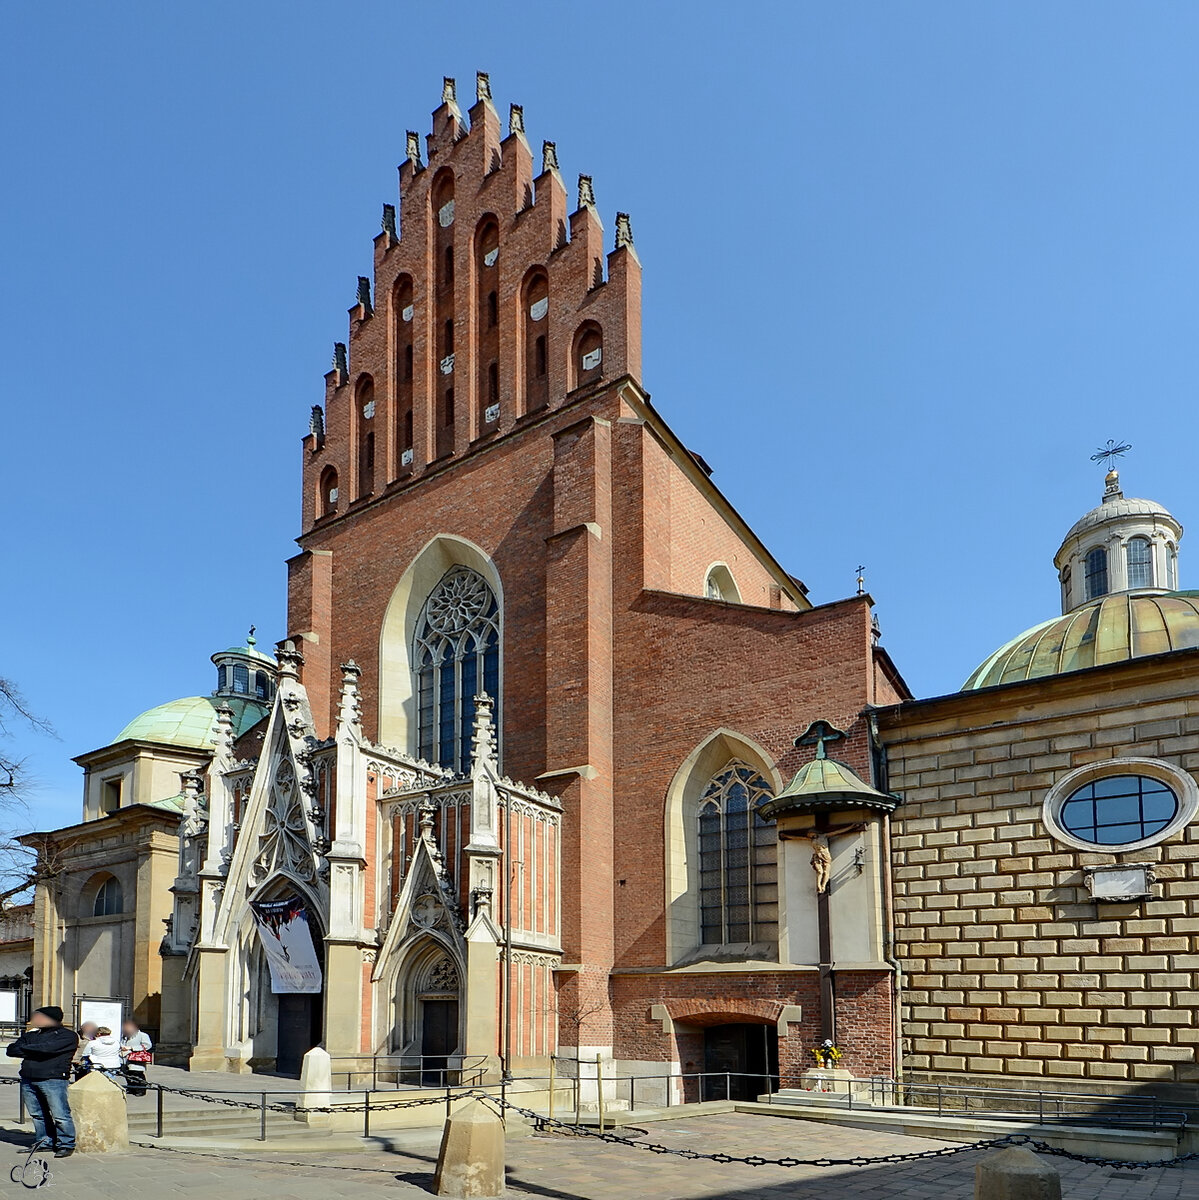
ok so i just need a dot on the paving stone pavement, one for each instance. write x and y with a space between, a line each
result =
568 1168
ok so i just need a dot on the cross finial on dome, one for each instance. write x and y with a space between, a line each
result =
251 640
817 734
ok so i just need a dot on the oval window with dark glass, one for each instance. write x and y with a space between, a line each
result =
1118 810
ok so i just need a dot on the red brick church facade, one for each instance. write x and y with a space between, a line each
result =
488 411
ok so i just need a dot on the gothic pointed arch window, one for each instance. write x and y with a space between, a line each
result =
456 656
738 860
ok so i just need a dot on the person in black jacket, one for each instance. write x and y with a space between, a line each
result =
46 1051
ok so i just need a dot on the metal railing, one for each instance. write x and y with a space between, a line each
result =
600 1098
409 1070
1043 1107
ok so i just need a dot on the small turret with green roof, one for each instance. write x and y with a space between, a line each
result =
246 680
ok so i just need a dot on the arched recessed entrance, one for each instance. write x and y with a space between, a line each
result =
428 1020
741 1061
281 1026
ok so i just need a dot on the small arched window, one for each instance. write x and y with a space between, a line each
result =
457 655
720 585
328 492
1066 588
241 680
262 685
365 405
1140 562
588 355
1096 565
536 350
109 901
222 677
738 860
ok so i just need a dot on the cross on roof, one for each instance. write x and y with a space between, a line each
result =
1112 451
817 734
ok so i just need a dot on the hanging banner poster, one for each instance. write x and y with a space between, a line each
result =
287 941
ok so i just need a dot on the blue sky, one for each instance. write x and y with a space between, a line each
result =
906 265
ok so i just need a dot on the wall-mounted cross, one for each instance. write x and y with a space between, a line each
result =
817 734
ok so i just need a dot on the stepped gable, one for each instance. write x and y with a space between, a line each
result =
491 303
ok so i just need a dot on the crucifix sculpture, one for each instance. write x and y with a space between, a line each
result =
818 734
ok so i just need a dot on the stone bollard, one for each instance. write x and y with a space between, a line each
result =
316 1082
470 1163
98 1110
1016 1174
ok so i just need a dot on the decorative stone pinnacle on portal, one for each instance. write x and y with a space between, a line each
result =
351 703
586 192
290 660
449 90
624 231
341 361
193 804
413 150
516 119
426 822
549 157
482 85
389 221
817 734
364 295
224 730
483 742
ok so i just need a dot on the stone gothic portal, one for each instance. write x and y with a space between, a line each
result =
431 1043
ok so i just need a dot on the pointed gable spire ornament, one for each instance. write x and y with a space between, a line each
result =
516 119
412 150
482 85
290 660
449 90
350 710
549 157
586 192
389 221
483 737
316 425
624 231
341 362
364 295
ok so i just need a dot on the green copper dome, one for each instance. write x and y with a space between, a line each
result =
1117 628
190 722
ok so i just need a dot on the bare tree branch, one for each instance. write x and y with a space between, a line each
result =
21 867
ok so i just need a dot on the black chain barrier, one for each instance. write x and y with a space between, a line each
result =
750 1160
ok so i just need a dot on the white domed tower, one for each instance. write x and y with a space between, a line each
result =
1123 545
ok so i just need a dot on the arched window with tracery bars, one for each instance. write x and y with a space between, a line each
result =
738 860
457 656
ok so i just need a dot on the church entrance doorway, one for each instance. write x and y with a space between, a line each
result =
299 1026
741 1061
439 1039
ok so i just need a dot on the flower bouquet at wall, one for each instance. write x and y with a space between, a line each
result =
827 1054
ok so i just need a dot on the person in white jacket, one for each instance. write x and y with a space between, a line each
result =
103 1052
136 1050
